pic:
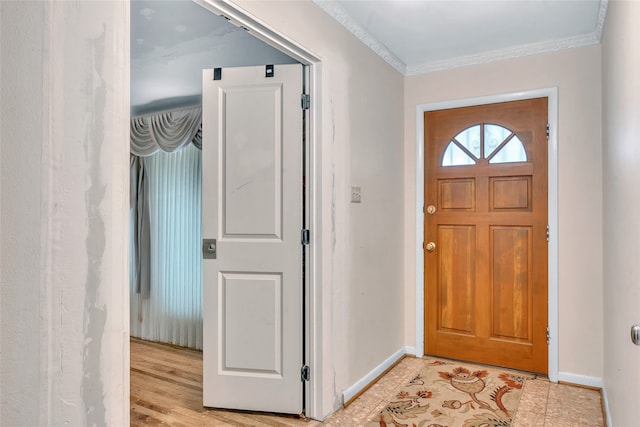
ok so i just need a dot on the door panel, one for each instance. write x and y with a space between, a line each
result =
511 264
457 194
457 270
510 193
486 198
252 205
252 161
251 316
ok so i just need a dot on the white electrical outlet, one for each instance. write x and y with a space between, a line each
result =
356 195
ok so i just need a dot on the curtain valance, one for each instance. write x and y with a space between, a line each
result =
168 131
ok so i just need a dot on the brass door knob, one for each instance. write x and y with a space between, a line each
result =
430 247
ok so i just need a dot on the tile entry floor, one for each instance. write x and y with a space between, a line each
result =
546 404
543 403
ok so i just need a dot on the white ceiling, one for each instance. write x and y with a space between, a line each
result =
173 40
420 36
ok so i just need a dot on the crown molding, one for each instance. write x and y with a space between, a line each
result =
602 16
504 54
338 13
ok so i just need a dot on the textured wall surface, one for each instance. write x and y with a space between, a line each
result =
65 209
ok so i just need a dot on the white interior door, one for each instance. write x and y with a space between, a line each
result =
252 206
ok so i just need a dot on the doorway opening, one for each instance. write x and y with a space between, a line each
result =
552 95
298 54
166 133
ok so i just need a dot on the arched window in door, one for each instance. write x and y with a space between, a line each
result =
494 143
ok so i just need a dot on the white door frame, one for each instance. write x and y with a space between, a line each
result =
552 95
313 304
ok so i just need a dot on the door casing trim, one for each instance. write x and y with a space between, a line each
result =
552 94
313 405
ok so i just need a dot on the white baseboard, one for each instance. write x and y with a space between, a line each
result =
363 382
568 377
411 350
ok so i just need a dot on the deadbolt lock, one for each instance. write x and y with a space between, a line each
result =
430 247
431 209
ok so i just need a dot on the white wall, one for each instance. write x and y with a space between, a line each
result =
21 97
362 113
576 73
64 157
621 146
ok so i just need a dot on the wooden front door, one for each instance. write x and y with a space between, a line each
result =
485 250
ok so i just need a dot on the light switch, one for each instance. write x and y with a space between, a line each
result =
356 195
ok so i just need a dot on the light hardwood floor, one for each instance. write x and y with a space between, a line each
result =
166 389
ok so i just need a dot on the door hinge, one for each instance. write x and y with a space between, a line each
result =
268 71
217 74
548 232
305 236
305 373
305 101
548 130
548 336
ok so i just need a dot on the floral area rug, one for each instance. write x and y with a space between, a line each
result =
450 394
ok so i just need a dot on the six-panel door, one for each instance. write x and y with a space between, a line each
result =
486 270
